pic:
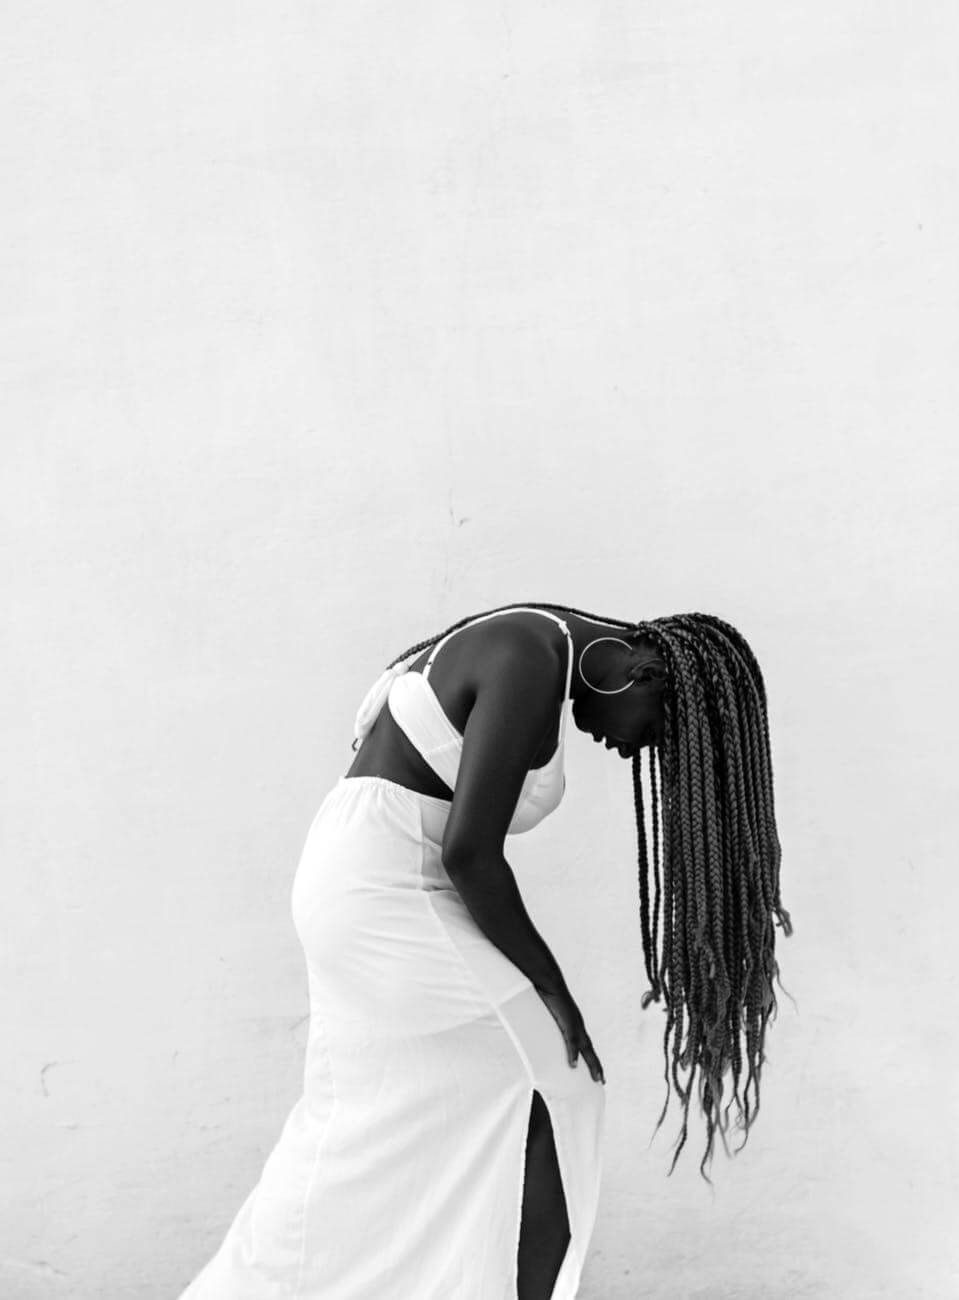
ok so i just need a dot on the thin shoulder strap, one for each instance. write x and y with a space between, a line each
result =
513 609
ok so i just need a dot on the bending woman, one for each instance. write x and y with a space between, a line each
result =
446 1146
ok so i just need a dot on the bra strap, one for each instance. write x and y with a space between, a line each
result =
569 681
515 609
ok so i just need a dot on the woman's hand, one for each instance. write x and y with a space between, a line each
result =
567 1015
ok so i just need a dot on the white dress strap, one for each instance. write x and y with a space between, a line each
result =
513 609
373 701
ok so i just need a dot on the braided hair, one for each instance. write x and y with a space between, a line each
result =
716 882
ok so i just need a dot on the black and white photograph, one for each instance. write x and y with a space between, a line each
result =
479 548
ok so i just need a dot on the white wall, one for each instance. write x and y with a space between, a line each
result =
325 325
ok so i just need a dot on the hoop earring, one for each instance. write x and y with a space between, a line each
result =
599 689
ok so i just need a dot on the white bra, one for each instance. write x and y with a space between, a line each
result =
417 711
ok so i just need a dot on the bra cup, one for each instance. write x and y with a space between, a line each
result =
540 800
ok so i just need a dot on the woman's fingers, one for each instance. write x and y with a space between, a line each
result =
567 1016
592 1060
585 1049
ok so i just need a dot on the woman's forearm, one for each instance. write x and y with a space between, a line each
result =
488 888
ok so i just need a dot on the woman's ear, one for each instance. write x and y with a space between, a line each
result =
648 672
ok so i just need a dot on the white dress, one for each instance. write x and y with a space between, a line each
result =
398 1174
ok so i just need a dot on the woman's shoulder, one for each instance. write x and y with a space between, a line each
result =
521 627
524 632
516 665
513 641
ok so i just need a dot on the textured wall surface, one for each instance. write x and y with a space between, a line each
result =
327 324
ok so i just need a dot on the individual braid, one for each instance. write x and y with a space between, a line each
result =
715 865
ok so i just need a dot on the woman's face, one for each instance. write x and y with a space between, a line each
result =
626 722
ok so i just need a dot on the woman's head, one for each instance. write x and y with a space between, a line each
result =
618 691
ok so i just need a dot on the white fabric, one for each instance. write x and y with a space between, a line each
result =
374 699
398 1174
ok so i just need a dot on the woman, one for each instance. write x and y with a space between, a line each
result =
444 1148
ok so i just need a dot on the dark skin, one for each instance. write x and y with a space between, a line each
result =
500 683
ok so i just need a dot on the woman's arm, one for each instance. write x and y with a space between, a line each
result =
517 699
489 890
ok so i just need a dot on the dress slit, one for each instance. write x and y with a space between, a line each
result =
564 1262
